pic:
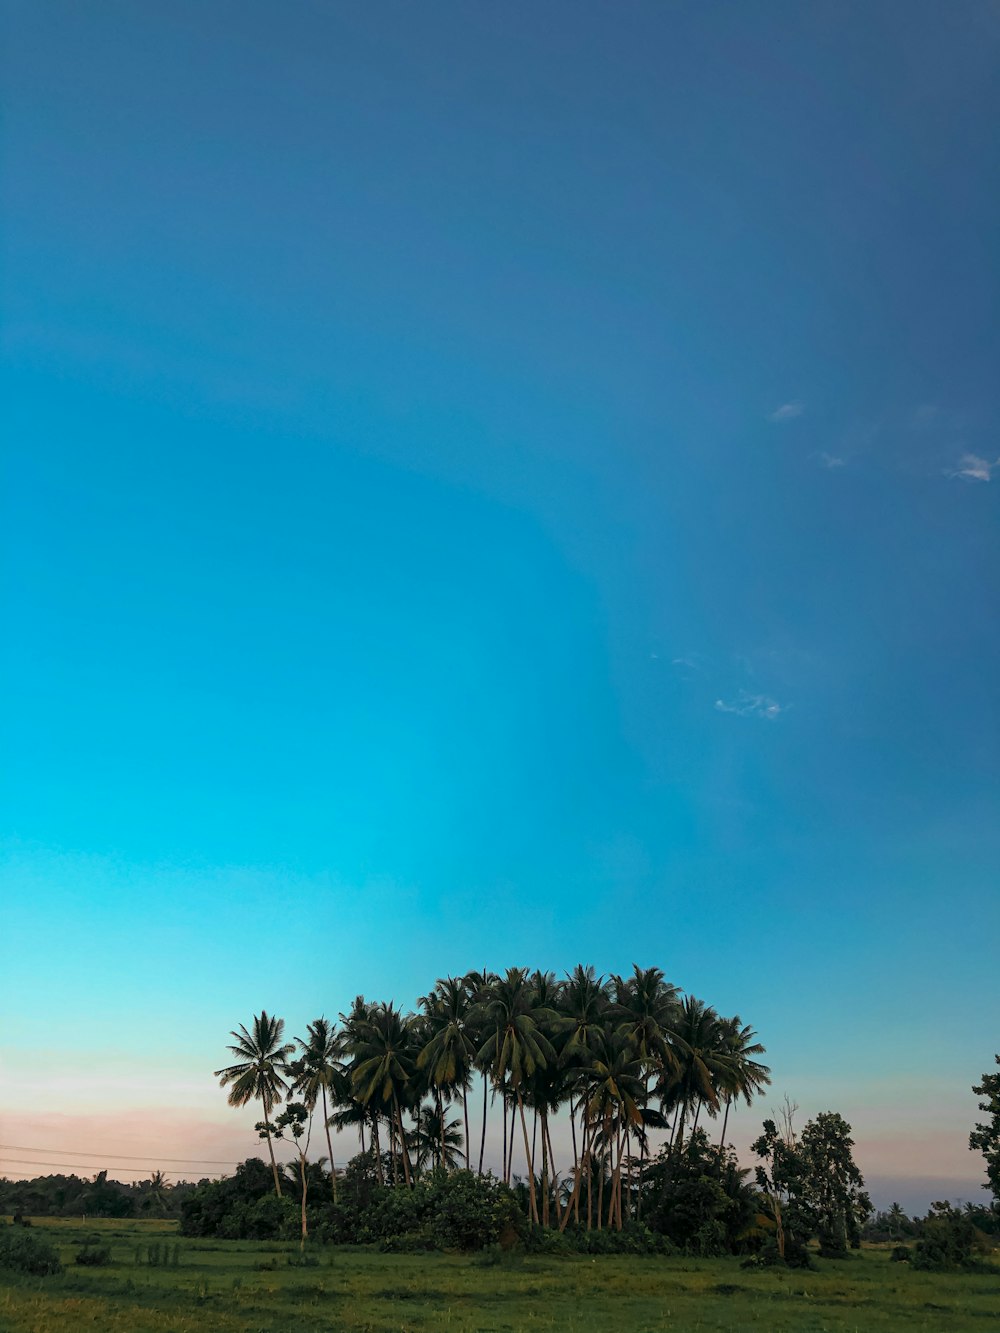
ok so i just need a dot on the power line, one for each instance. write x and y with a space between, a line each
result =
75 1166
65 1152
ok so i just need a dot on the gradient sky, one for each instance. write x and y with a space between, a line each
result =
499 484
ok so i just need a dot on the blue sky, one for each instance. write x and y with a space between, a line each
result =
490 485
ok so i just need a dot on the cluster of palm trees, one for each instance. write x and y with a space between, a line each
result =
622 1057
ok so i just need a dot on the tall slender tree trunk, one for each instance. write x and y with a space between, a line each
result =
545 1170
534 1140
402 1144
442 1161
725 1120
527 1156
600 1184
506 1159
588 1153
482 1136
305 1187
329 1145
573 1202
555 1179
465 1115
270 1149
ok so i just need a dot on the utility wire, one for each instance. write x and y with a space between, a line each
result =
77 1166
65 1152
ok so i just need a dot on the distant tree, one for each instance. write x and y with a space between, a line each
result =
836 1187
260 1073
321 1056
985 1138
813 1185
293 1124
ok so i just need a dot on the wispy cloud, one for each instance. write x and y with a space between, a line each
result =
832 460
751 705
786 412
973 468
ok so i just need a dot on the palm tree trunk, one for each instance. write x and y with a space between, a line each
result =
270 1149
329 1145
402 1143
465 1114
573 1202
527 1157
555 1179
545 1170
377 1144
442 1162
302 1177
482 1137
506 1154
600 1184
725 1121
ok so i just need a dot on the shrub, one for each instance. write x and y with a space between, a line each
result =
949 1241
24 1252
93 1255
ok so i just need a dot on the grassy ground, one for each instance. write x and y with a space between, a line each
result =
249 1287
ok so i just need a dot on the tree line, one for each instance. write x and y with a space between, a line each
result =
620 1057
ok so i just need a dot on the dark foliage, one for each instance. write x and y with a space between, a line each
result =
23 1251
949 1241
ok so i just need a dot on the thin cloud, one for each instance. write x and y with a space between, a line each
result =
973 468
786 412
832 460
751 705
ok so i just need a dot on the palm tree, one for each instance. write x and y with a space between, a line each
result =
515 1047
585 1001
477 985
260 1072
321 1053
645 1007
384 1065
701 1064
450 1050
615 1105
742 1076
437 1139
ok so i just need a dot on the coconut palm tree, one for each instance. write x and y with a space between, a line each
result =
437 1141
449 1050
742 1076
645 1008
384 1067
321 1060
701 1064
615 1106
585 1001
515 1047
260 1072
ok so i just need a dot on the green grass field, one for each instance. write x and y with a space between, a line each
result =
249 1287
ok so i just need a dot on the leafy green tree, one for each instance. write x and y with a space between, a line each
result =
985 1138
814 1186
835 1185
260 1071
293 1124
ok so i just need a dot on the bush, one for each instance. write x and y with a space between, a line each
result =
949 1241
796 1255
94 1255
23 1252
901 1254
